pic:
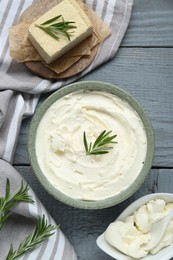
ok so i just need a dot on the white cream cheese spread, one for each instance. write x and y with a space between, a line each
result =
133 234
61 153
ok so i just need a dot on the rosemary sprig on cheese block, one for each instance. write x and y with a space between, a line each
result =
61 27
101 144
43 35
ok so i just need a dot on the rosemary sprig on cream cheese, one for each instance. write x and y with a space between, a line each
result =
54 29
100 146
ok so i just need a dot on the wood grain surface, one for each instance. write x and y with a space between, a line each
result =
143 66
82 227
151 24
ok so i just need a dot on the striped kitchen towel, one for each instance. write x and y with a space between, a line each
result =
23 221
19 94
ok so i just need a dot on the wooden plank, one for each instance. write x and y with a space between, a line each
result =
151 24
147 75
82 227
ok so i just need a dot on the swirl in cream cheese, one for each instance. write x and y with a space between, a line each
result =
61 153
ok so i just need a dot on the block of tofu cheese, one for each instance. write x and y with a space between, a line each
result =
51 49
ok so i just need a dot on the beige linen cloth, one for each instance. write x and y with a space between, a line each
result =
19 94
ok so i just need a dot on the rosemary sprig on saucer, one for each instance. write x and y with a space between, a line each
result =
54 29
100 146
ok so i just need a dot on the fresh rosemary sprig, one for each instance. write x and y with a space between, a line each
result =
10 200
41 232
100 144
55 29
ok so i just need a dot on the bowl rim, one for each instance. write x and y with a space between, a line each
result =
91 86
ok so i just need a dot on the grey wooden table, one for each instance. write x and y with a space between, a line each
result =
143 66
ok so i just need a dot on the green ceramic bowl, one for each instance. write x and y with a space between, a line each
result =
98 86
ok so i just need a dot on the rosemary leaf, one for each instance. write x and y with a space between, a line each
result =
107 140
49 32
7 191
98 152
51 20
99 138
100 146
85 142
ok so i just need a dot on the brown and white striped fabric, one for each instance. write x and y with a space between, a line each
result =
19 94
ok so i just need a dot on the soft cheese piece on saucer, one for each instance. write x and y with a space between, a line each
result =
50 48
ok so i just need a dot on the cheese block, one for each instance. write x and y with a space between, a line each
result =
50 48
